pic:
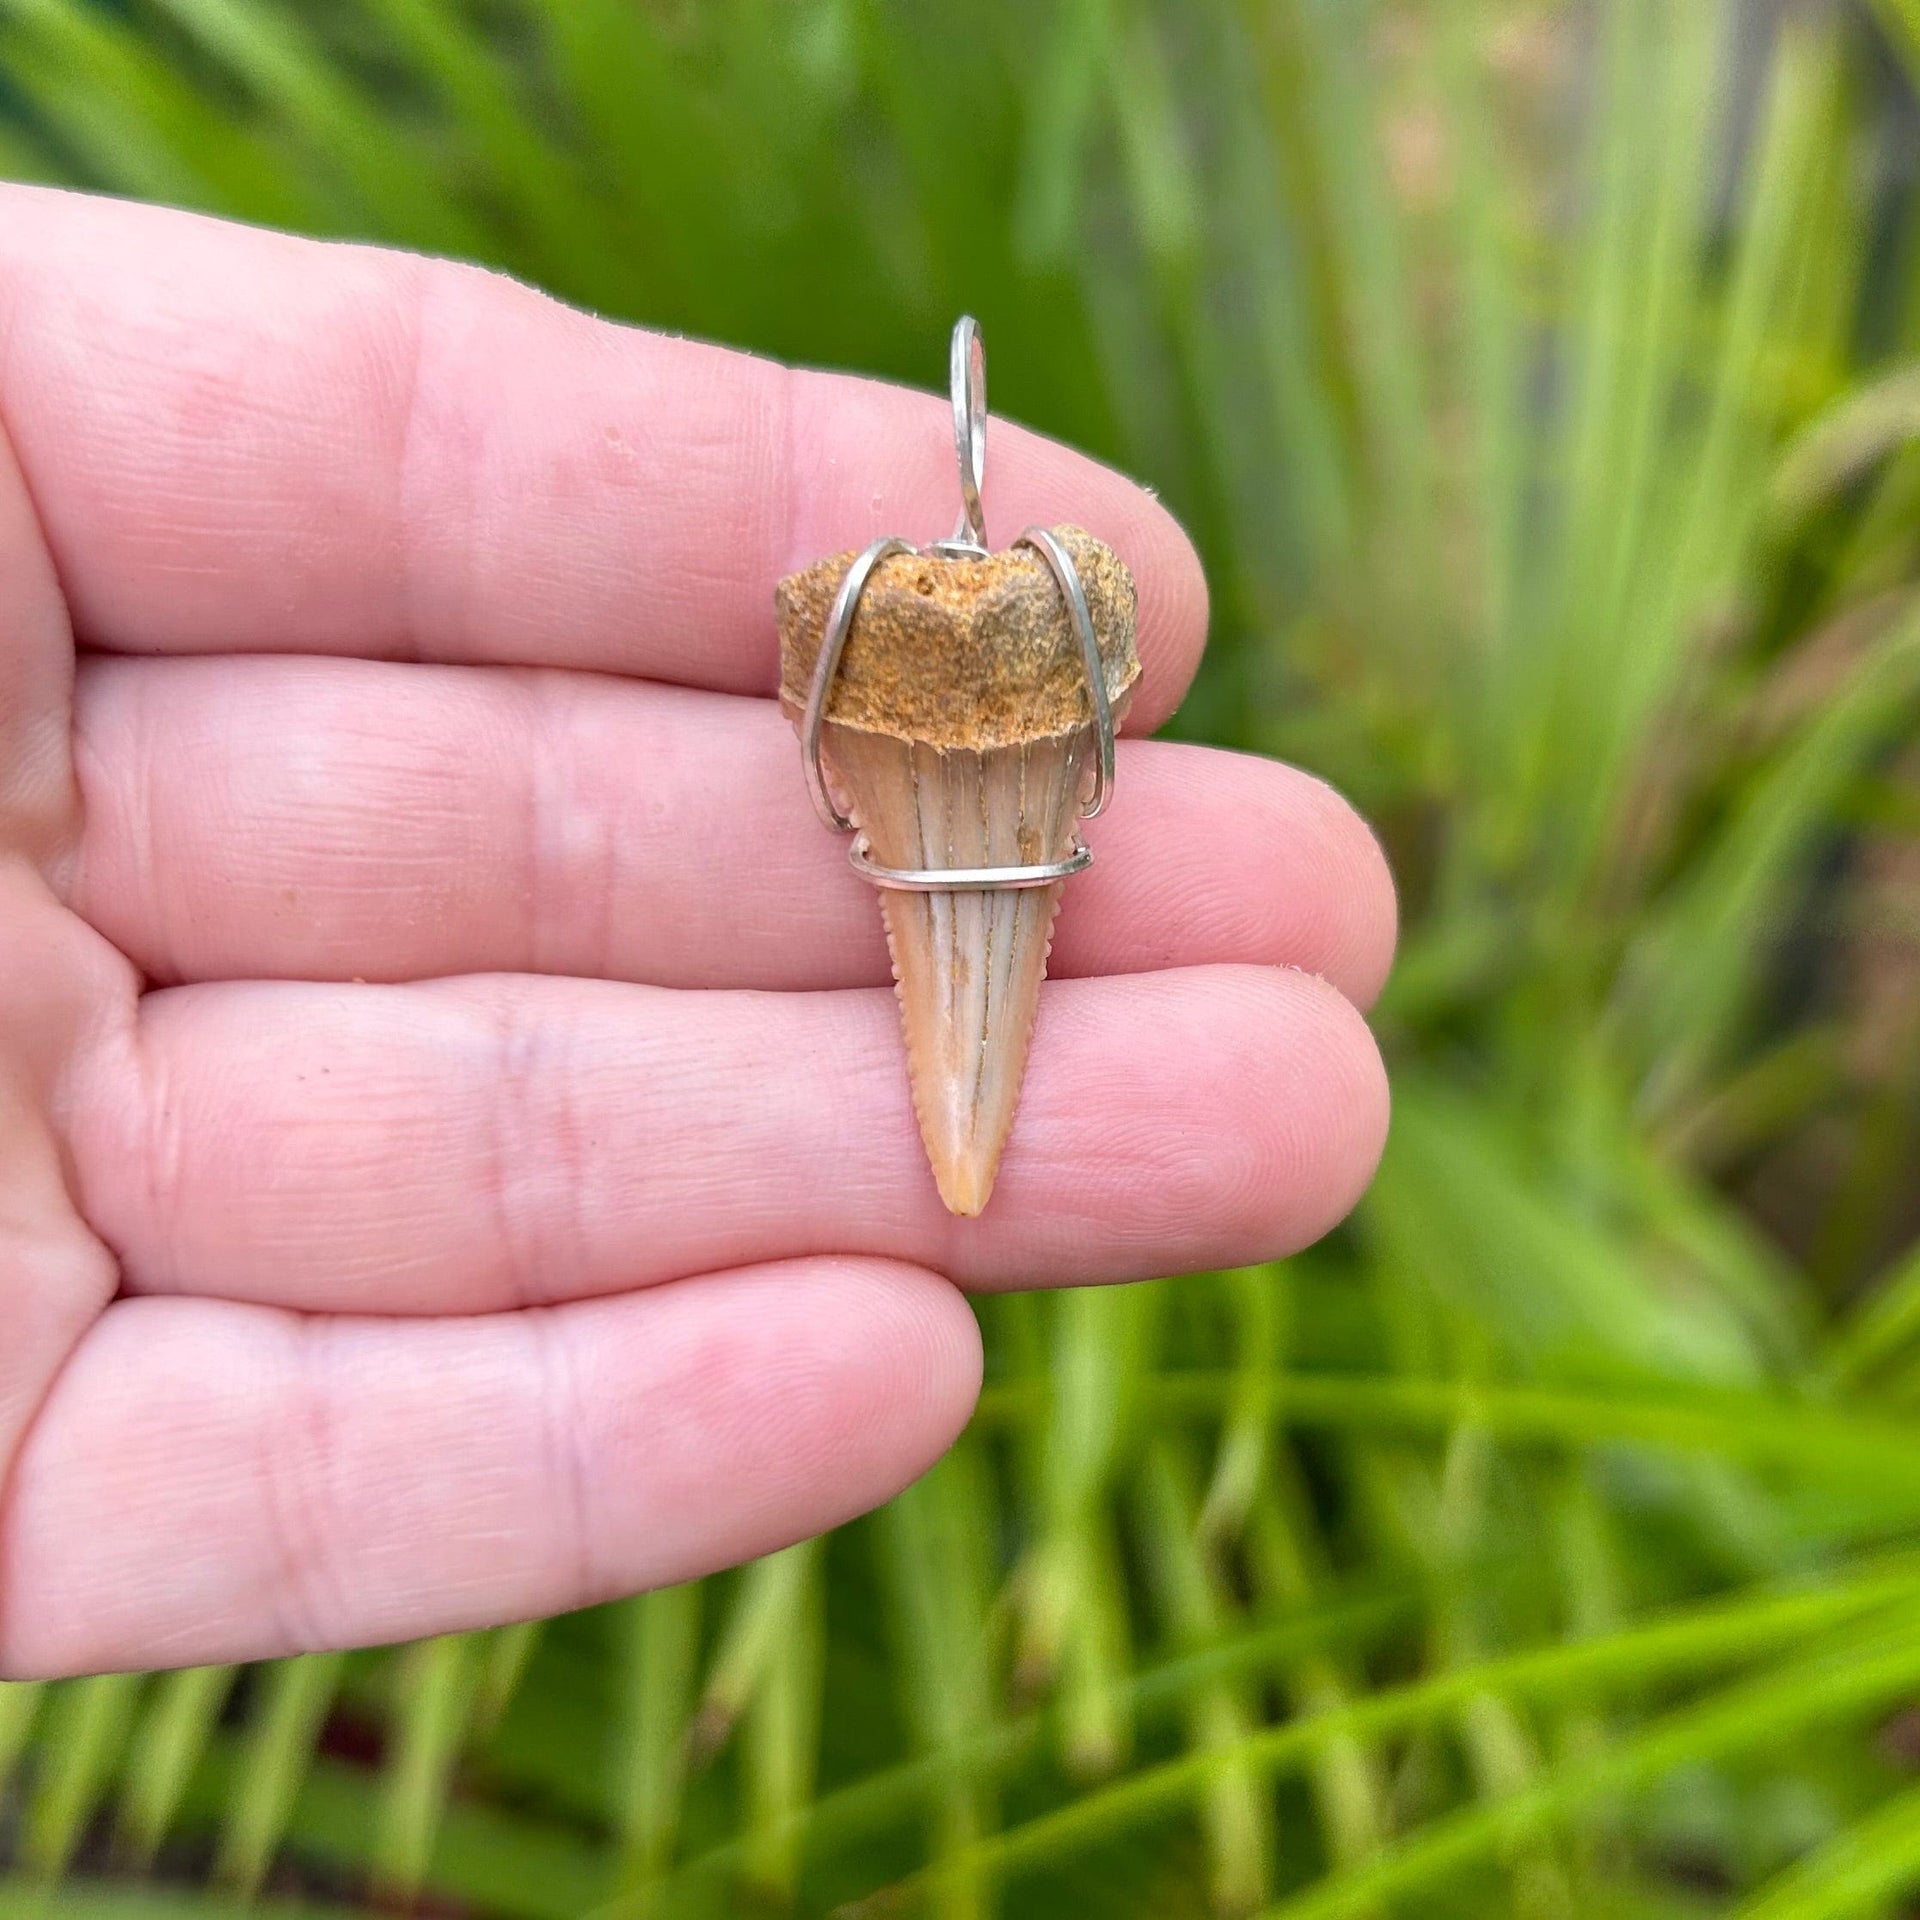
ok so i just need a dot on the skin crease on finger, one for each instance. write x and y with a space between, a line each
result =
237 444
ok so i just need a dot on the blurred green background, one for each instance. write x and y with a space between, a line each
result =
1542 385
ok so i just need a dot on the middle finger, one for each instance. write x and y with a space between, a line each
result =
261 817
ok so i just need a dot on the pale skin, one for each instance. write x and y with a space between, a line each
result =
455 1161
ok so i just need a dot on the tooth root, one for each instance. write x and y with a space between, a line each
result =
967 964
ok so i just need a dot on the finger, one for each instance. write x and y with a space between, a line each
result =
55 1275
240 440
213 1482
55 977
481 1144
334 819
37 794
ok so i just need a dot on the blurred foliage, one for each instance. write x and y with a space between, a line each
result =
1542 384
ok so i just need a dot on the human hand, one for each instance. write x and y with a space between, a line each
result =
455 1158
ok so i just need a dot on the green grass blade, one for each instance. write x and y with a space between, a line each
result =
1699 1641
1845 1685
1194 1602
1699 961
435 1685
172 1739
488 1856
83 1744
507 1655
1279 400
272 53
138 124
1461 1214
1882 1330
1164 193
1156 1694
1725 488
1072 1609
559 226
1855 1873
1650 116
662 1661
1833 451
768 1602
664 149
1060 119
1754 1429
20 1703
1256 1300
1361 246
1902 21
284 1728
1349 1789
937 1563
1495 1732
780 1741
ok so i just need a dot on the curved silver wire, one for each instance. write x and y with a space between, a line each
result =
966 879
833 643
967 384
968 373
1067 577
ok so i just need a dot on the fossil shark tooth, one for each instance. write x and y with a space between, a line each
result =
959 735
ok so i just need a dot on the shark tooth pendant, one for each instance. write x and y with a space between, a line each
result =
956 710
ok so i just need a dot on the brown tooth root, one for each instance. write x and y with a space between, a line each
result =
958 735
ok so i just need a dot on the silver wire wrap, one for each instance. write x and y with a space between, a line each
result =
833 644
968 541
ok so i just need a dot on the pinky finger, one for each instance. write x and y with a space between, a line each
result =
216 1482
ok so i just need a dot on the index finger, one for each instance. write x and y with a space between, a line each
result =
242 441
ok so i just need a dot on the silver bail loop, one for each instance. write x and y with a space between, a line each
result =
967 382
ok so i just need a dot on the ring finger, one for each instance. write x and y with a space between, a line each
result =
479 1144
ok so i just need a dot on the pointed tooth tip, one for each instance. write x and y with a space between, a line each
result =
966 1183
967 970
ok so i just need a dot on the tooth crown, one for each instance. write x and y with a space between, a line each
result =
958 735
